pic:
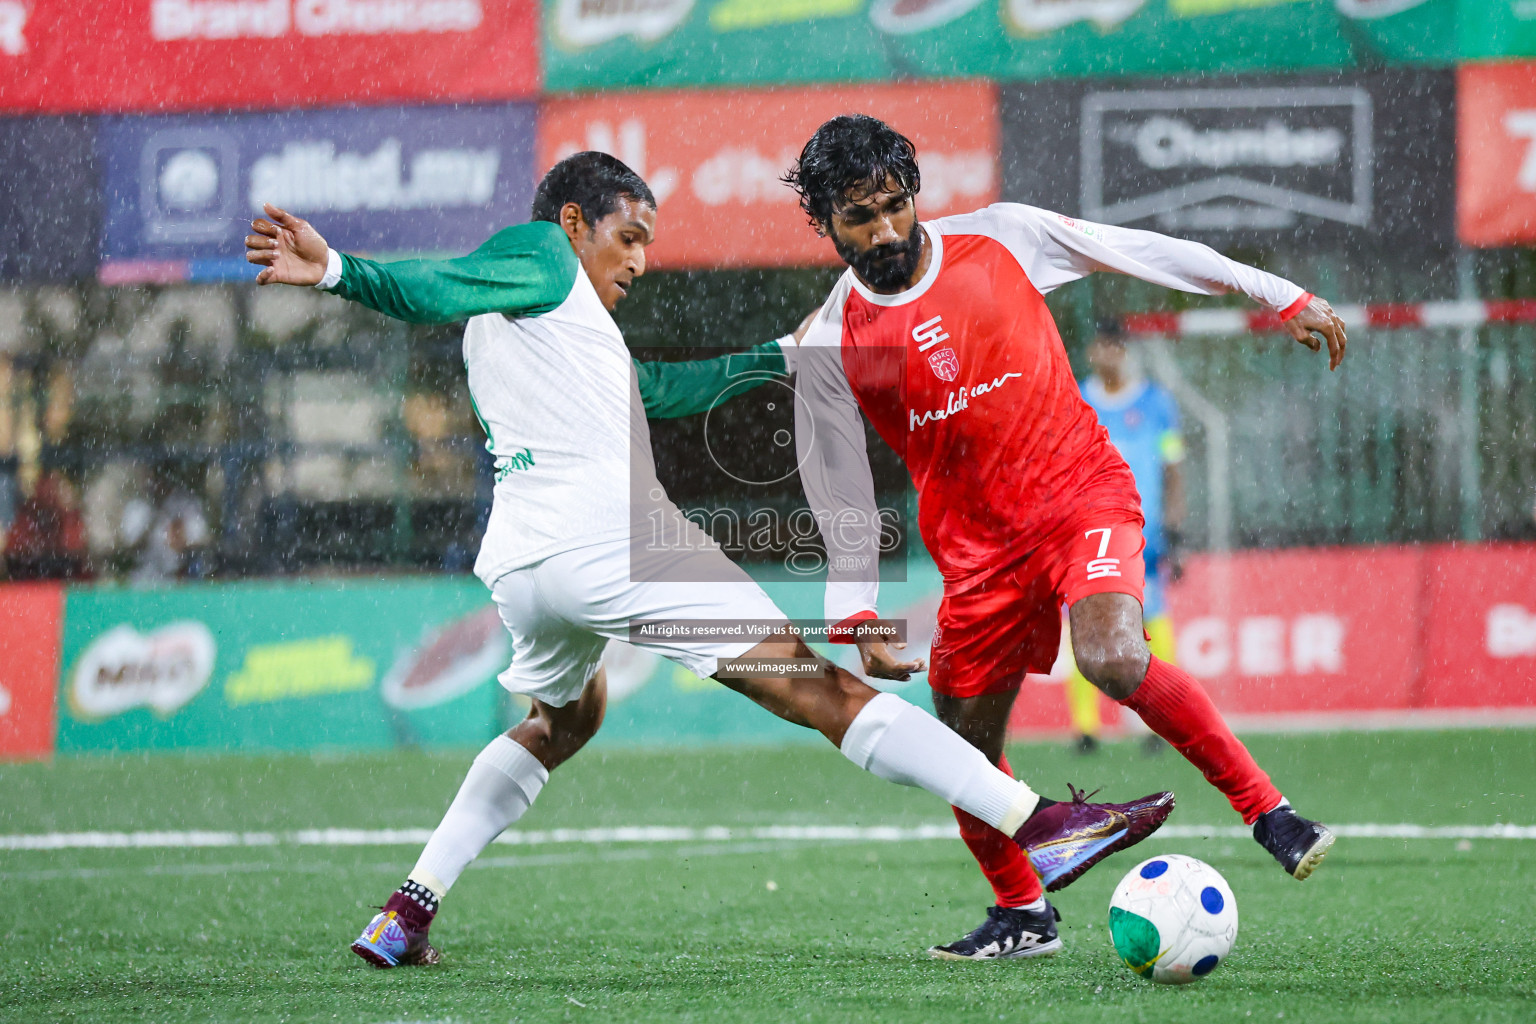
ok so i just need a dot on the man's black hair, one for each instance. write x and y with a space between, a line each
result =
593 181
851 153
1110 329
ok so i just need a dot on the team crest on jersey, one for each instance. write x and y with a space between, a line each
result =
945 364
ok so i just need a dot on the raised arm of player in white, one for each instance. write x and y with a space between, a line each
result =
834 469
1056 249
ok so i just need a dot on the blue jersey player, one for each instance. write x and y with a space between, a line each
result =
1143 423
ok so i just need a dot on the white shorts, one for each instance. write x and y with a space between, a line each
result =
562 612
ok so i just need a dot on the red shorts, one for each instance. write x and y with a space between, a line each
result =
1009 623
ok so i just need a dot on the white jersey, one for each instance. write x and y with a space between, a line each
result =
558 398
562 402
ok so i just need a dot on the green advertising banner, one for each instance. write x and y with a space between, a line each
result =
606 44
1498 28
317 665
286 666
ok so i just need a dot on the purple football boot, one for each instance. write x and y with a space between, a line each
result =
396 937
1066 839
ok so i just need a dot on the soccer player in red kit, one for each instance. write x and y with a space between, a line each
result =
940 334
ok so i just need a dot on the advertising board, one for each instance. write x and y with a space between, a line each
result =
612 44
113 56
721 201
1497 28
1304 638
50 214
301 666
1480 626
1365 157
1496 143
183 189
30 615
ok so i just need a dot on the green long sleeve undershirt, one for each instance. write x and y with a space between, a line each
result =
527 270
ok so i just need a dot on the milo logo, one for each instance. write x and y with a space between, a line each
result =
125 669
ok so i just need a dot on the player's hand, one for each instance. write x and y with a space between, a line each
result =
1318 318
882 661
290 249
805 325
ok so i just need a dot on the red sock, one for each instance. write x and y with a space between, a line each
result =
1006 866
1177 708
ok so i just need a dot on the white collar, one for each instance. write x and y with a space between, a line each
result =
916 291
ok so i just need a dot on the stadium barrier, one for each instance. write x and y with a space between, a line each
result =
30 617
1416 636
1347 638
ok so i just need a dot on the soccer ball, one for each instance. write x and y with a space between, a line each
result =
1173 919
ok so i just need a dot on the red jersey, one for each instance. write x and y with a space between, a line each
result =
965 377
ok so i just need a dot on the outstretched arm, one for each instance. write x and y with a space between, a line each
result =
834 470
521 270
1065 249
673 389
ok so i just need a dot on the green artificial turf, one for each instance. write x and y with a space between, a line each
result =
1388 930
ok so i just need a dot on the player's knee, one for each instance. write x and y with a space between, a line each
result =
1117 669
561 732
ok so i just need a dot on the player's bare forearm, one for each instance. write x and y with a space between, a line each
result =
1317 324
288 248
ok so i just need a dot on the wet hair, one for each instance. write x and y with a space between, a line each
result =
595 182
847 154
1109 329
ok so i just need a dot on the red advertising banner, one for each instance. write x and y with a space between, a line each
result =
714 159
1346 637
1496 154
1272 632
119 56
31 617
1480 627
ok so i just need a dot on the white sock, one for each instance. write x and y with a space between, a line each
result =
1034 907
500 787
904 744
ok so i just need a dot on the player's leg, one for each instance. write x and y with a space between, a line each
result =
886 735
878 731
901 743
558 667
500 786
505 779
990 635
1101 582
982 721
1020 918
1161 642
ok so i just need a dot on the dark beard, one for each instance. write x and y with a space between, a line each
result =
885 267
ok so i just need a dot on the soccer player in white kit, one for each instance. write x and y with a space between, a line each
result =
569 552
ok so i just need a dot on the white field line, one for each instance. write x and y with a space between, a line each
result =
660 834
597 855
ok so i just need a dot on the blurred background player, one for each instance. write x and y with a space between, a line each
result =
1142 418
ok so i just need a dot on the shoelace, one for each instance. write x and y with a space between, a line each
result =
1078 796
